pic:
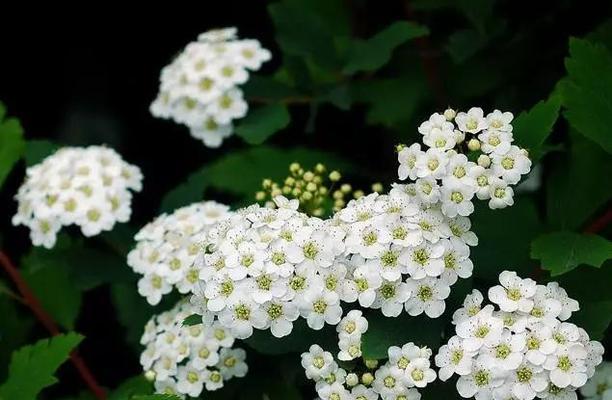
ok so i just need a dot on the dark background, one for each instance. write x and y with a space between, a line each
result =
87 76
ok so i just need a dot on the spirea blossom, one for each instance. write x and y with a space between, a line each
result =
521 346
186 360
403 253
89 187
599 386
443 167
200 87
406 370
166 249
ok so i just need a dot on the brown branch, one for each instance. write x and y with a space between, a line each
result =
428 61
34 304
600 223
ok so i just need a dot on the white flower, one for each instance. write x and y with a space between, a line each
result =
500 121
419 374
89 187
317 363
281 316
424 260
483 329
352 324
500 194
567 366
241 316
472 304
481 381
389 381
527 381
391 297
350 347
432 164
407 158
232 363
200 87
514 293
599 387
473 121
428 296
453 358
321 308
495 141
511 165
456 199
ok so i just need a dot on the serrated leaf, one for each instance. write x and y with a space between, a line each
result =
14 331
531 128
587 93
37 150
384 332
241 172
371 54
263 122
561 252
137 385
574 191
12 144
32 367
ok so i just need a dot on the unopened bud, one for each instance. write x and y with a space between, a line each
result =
399 147
346 188
459 136
367 379
450 114
358 194
371 363
259 196
308 175
377 187
484 161
320 168
352 379
150 375
474 144
334 176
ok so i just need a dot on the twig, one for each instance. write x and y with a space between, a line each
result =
32 302
428 61
600 223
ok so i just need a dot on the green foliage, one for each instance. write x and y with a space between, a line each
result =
588 90
574 190
298 341
193 319
37 150
371 54
241 172
263 122
12 144
32 367
533 127
156 397
135 386
14 331
561 252
384 332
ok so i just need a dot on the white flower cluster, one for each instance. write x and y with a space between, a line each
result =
89 187
350 329
405 253
200 87
523 350
407 370
266 267
183 360
442 171
599 386
167 248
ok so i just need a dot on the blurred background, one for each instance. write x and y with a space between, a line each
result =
88 75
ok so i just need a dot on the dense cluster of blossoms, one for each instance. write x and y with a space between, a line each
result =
89 187
522 350
183 360
443 172
200 87
599 386
167 248
406 371
405 253
265 267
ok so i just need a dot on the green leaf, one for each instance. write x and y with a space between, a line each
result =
561 252
241 172
392 101
298 341
193 319
56 291
263 122
384 332
587 94
156 397
508 231
38 150
14 331
465 43
136 385
269 88
12 144
301 32
371 54
32 367
531 128
574 191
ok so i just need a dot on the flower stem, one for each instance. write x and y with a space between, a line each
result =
34 304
